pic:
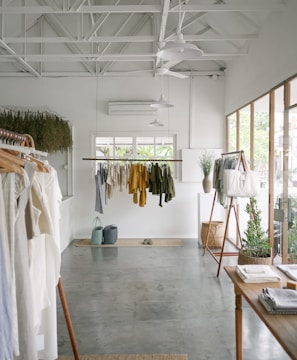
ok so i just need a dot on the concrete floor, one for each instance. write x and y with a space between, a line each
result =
155 300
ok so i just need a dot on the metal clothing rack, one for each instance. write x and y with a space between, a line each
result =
10 140
231 206
17 142
133 160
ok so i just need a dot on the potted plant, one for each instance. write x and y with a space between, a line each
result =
292 242
256 247
206 162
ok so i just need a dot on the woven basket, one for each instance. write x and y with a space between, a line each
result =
216 234
244 259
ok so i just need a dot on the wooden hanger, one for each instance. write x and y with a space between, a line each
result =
40 164
10 163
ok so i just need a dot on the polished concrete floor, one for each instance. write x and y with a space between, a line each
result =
135 300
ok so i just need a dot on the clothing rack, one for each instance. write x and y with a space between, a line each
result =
231 206
10 140
134 160
22 140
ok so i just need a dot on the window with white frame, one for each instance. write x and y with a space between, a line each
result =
153 147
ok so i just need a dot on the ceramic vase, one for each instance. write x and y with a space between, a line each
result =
206 184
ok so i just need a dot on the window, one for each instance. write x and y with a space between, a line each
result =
136 147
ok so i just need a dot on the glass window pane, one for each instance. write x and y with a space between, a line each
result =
104 147
293 91
123 147
261 138
232 139
278 169
164 147
261 154
145 147
244 131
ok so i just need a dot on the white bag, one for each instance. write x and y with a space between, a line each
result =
241 184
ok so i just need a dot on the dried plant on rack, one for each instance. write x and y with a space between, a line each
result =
50 132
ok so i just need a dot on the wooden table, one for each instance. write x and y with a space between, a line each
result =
283 327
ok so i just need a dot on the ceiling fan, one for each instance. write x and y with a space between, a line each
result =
163 70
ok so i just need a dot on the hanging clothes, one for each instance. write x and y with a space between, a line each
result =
6 334
229 162
98 201
138 183
169 184
15 190
30 237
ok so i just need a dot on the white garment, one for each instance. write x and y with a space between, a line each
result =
23 281
8 216
46 187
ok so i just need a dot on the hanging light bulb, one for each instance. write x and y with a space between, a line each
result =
162 103
155 123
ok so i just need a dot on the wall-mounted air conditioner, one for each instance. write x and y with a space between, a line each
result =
131 108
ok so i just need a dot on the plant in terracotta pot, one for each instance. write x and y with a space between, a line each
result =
256 247
292 242
206 162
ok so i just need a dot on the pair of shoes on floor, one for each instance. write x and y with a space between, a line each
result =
147 242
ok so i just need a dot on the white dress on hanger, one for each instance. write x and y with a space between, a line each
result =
46 186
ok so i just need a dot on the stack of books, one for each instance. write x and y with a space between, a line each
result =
279 301
257 273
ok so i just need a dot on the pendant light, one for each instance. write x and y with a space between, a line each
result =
162 103
155 123
179 50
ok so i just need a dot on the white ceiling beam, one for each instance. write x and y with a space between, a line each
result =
242 6
172 34
60 29
125 39
107 57
99 23
164 17
136 29
109 74
19 59
77 5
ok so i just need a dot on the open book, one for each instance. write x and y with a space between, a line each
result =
290 270
257 273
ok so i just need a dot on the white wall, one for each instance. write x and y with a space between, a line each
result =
272 59
74 99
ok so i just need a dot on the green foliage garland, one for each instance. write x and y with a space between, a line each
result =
49 132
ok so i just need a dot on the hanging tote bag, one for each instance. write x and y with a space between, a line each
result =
97 232
245 184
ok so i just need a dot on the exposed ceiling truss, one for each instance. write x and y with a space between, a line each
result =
50 38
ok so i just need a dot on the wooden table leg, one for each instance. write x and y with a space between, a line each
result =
238 323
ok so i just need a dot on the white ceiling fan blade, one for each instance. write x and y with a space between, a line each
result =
176 74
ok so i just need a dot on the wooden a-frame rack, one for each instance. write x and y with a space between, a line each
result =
220 254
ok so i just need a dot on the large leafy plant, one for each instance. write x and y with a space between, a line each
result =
256 242
292 240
